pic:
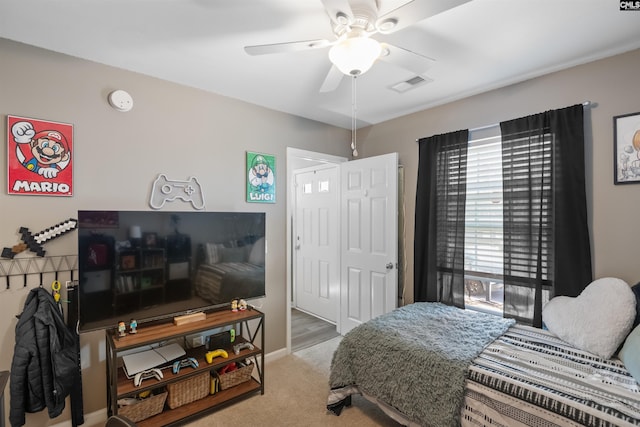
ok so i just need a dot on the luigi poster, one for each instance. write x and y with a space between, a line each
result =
261 178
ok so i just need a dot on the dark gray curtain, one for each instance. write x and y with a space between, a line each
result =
440 213
546 238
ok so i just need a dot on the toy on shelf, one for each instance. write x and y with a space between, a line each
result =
151 373
122 329
241 346
133 326
242 305
234 304
189 361
210 355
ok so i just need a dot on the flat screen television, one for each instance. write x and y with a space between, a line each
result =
155 265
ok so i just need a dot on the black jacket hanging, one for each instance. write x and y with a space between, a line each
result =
45 365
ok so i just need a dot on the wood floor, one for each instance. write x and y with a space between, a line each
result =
308 330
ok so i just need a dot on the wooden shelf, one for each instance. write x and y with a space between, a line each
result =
119 386
202 406
127 387
165 331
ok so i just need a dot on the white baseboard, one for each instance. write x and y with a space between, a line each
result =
99 417
275 355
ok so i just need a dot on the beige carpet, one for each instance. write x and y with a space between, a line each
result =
296 388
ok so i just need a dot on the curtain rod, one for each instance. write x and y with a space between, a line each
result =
585 104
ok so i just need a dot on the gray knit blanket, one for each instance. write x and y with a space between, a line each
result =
415 359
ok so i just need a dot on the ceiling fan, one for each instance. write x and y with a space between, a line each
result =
354 51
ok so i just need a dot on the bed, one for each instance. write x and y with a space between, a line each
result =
428 364
226 272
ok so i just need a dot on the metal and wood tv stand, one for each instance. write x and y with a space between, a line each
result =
249 327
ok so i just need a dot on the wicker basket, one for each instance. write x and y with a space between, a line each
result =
235 377
145 408
189 390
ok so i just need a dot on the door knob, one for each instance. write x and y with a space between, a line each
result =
389 265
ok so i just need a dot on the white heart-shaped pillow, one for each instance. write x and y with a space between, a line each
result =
598 320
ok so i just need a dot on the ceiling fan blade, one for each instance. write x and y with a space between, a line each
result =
332 81
405 58
265 49
411 12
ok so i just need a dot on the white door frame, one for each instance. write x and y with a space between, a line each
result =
297 159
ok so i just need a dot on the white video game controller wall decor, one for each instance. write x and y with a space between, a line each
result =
166 190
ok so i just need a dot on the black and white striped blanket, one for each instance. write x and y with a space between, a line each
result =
529 377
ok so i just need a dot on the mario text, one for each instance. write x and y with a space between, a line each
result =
41 187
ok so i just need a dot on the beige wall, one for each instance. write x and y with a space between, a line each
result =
613 209
172 129
183 132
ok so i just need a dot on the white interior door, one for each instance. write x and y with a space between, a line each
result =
316 239
369 239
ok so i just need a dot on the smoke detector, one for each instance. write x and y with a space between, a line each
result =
120 100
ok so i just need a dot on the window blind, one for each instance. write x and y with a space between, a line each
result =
483 217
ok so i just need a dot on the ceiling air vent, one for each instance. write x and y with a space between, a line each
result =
412 83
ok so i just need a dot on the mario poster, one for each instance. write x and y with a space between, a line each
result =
261 178
39 157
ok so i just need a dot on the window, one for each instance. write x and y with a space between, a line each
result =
483 253
545 243
484 223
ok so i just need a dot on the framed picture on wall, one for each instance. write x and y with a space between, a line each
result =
626 148
39 157
261 178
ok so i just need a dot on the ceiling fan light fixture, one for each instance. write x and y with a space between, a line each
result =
355 55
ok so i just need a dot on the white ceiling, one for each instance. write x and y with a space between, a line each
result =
477 46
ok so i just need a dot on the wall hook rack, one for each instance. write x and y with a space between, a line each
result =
26 267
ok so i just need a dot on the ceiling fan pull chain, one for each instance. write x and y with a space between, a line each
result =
354 110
